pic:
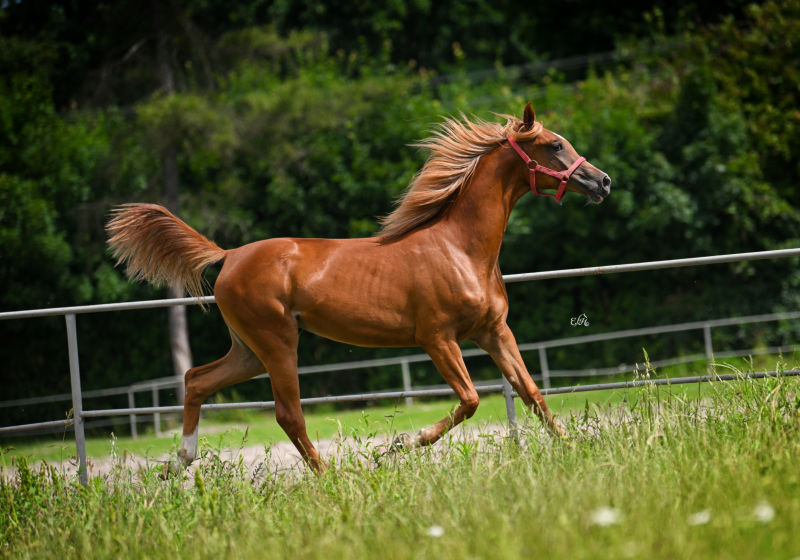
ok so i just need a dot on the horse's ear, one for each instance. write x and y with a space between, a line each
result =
529 117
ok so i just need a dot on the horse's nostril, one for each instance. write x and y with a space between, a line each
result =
607 182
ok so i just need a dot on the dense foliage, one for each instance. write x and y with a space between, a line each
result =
287 120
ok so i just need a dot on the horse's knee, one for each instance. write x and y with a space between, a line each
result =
193 398
470 404
194 393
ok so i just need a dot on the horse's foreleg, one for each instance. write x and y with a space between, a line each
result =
447 358
502 347
239 364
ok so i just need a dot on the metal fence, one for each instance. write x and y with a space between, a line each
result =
80 416
152 387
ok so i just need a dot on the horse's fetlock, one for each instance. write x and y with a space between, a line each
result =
290 422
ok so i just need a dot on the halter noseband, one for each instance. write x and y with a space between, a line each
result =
533 167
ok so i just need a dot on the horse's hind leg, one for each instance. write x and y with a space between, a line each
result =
447 358
277 349
239 364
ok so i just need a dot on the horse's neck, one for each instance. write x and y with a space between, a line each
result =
478 218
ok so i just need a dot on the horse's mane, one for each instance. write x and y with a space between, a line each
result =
455 150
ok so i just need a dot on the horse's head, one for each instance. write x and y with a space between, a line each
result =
554 164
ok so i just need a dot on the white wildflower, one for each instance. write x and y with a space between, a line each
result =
435 531
700 518
764 512
604 516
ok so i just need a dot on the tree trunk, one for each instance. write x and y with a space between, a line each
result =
179 341
178 327
178 331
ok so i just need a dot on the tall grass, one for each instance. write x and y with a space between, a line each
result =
658 476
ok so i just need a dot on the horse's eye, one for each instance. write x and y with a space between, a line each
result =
557 146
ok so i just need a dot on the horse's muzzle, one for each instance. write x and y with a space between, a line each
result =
596 190
603 189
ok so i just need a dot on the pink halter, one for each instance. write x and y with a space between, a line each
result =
533 167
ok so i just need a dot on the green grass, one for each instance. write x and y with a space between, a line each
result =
656 475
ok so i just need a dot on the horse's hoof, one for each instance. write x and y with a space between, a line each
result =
402 442
185 458
175 467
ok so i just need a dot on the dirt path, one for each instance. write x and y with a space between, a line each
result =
281 456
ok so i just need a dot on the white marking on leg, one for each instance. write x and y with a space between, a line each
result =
188 447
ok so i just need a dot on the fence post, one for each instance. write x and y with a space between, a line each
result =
545 367
156 415
406 381
131 404
77 398
511 411
709 347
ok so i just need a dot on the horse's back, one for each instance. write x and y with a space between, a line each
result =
270 265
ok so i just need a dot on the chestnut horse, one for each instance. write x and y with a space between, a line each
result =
430 278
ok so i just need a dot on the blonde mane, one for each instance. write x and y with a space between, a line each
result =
455 150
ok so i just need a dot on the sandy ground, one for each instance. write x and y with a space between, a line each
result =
281 457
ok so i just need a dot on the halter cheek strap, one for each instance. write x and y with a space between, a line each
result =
533 167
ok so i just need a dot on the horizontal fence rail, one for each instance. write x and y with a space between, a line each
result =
104 307
448 391
362 397
79 415
652 265
162 383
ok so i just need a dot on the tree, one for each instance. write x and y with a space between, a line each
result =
260 129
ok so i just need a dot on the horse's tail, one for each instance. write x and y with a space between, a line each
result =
158 247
